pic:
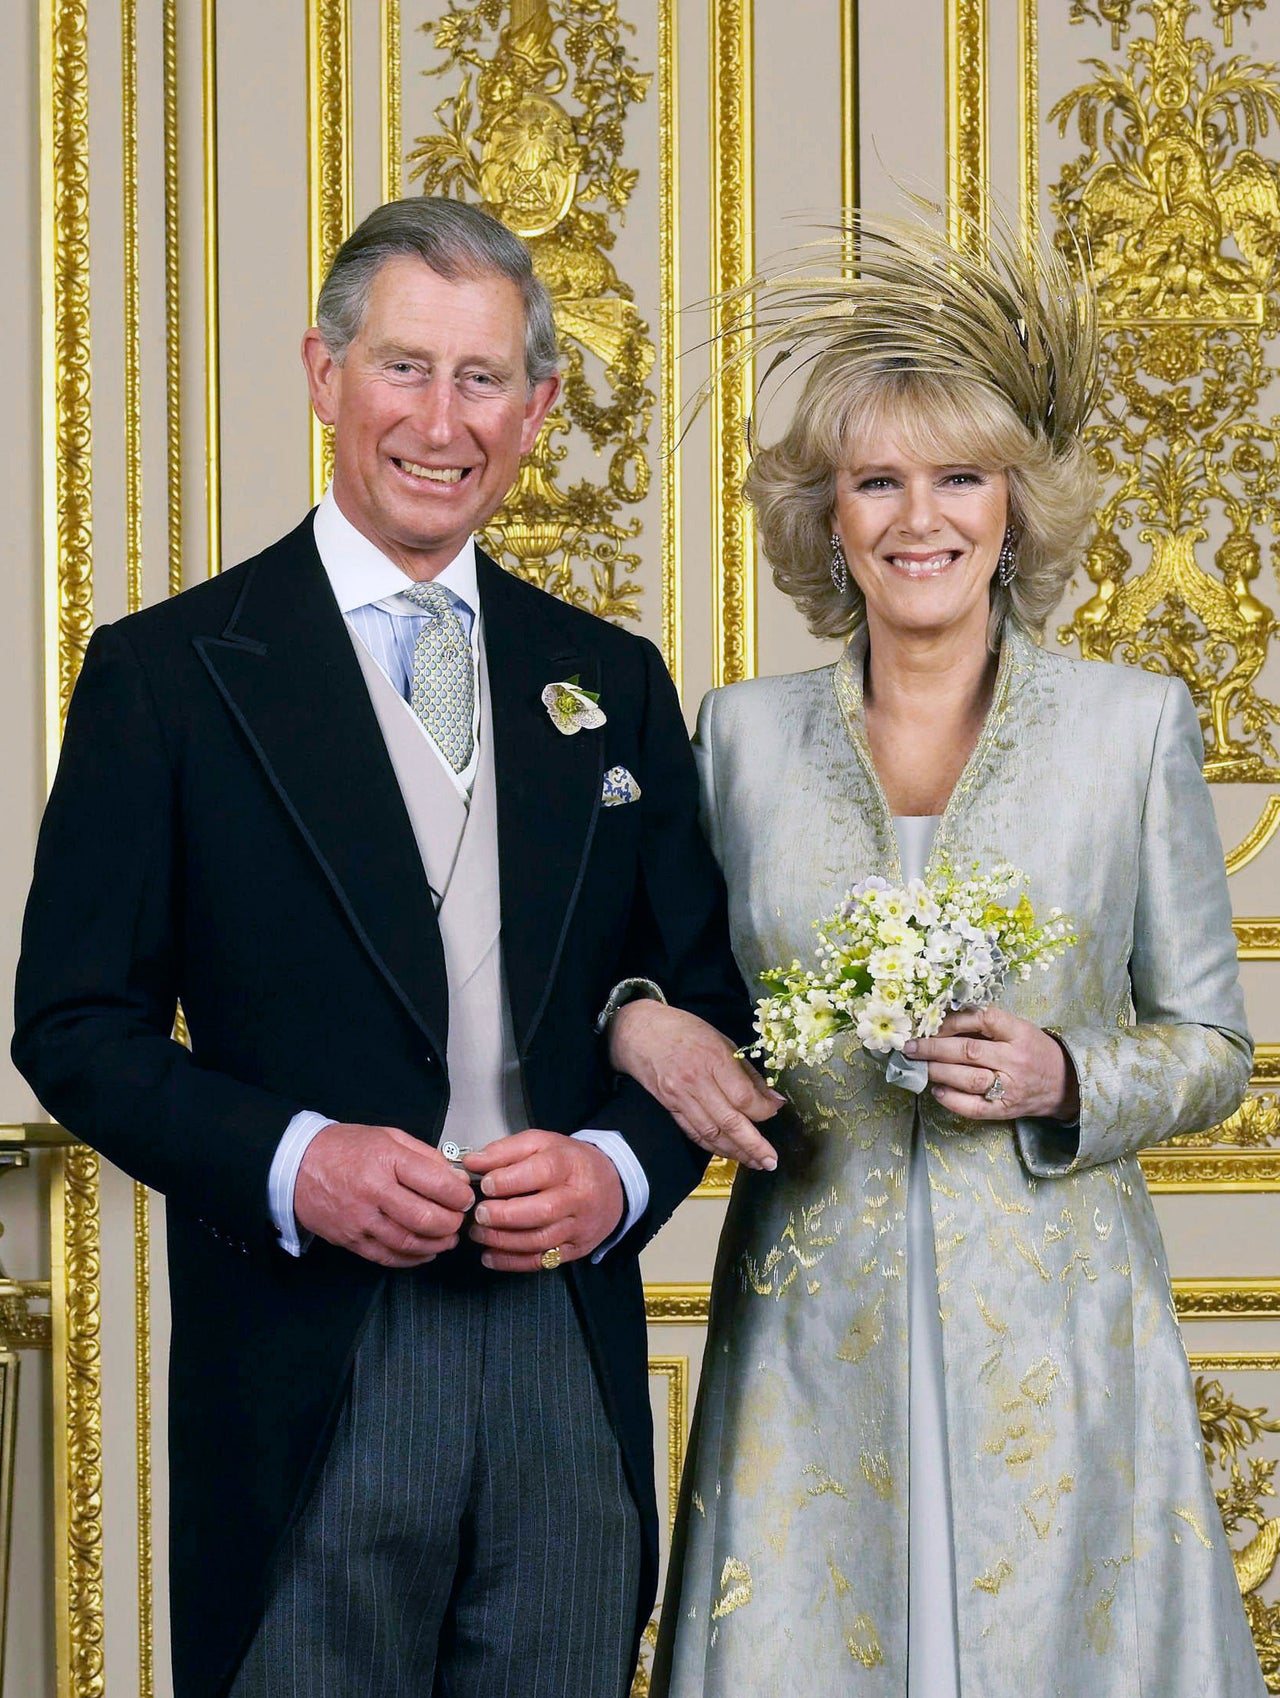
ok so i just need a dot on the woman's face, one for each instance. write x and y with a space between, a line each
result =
922 540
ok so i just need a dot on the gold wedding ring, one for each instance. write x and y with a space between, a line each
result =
995 1090
550 1258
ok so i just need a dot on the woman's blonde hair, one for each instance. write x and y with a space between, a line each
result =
940 420
983 352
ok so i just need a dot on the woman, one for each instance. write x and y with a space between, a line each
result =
946 1439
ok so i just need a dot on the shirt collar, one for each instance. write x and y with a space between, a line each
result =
360 573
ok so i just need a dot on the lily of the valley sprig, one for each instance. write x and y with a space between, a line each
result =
571 708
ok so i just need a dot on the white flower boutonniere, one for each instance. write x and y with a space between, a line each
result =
572 708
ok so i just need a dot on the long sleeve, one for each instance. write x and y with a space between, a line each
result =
98 979
1184 1064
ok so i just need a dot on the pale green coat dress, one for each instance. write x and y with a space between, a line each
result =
1089 1556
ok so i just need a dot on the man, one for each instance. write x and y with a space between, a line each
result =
323 802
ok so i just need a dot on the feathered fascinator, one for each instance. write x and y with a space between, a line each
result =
1018 320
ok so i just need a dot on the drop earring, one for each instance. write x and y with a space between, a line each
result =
839 565
1007 564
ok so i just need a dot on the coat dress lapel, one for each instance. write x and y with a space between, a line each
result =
548 785
286 668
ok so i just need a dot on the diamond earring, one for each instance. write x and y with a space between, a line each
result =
1007 564
839 565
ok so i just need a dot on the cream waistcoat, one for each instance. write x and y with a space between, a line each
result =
459 849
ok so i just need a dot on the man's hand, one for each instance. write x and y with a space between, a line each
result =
543 1191
375 1190
698 1077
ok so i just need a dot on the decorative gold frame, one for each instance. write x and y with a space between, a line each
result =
329 170
212 320
733 562
968 161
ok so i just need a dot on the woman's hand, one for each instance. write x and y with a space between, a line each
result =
975 1045
698 1077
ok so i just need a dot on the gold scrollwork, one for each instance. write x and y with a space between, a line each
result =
535 133
677 1305
1259 939
1178 211
733 589
68 470
968 193
77 1410
1227 1299
1231 1430
328 170
1255 841
1115 13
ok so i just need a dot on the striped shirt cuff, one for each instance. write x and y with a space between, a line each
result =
284 1176
635 1184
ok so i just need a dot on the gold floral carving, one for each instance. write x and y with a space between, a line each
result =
68 620
77 1408
677 1305
1227 1299
1230 1431
68 462
392 71
21 1326
1178 210
641 1685
1115 13
669 330
1259 939
733 606
535 132
329 170
968 164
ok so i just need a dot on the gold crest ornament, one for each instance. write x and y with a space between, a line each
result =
534 133
1179 212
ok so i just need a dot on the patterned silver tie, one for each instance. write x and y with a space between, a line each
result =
443 690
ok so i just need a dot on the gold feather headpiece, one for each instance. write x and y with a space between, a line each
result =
1017 319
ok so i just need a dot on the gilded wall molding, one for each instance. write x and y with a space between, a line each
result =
68 471
968 160
1257 837
212 316
68 620
1227 1299
392 100
677 1305
733 547
1259 938
328 172
1174 195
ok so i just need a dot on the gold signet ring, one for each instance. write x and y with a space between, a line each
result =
550 1258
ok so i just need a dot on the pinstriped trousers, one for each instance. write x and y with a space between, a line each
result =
471 1533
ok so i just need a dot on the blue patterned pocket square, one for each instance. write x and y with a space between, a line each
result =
619 788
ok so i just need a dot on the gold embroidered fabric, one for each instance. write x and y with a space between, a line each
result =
1089 1555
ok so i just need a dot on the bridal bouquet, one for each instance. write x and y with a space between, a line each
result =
891 963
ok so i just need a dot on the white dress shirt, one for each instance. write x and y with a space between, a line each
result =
369 589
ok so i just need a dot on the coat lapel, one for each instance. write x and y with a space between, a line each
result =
548 785
286 668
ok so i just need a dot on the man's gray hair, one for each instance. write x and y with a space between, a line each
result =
455 240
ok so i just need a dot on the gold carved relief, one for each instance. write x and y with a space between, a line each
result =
1230 1432
1178 212
534 132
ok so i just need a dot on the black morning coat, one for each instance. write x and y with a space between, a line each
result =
226 830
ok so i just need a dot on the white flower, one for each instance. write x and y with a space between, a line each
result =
942 946
572 708
816 1018
889 904
899 932
891 962
881 1027
922 904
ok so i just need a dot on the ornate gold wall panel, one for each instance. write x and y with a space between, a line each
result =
534 130
68 580
212 311
969 179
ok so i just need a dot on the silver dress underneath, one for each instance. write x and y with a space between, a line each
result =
932 1656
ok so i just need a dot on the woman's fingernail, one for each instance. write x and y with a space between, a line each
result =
777 1096
910 1046
770 1165
486 1261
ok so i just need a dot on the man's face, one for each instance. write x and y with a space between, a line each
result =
431 410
